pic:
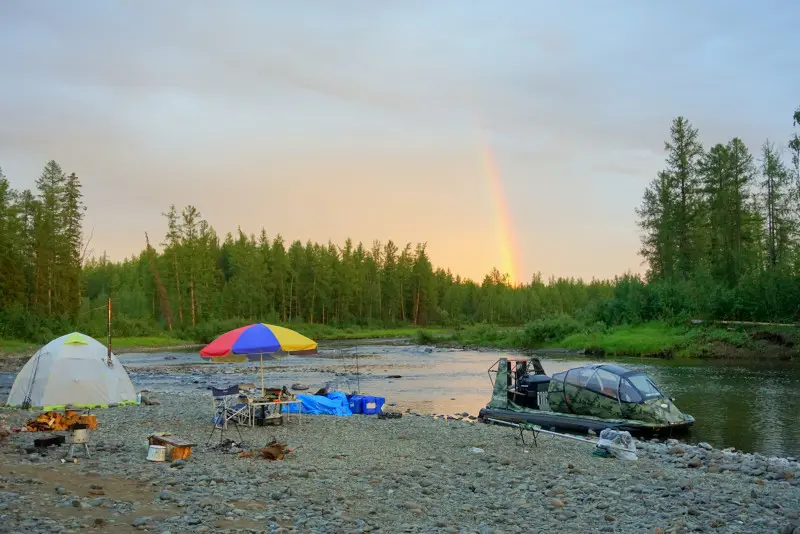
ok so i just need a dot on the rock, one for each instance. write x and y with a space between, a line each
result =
415 475
61 490
148 401
179 463
299 387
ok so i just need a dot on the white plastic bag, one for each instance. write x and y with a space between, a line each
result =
619 444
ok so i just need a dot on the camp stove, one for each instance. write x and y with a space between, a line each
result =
78 436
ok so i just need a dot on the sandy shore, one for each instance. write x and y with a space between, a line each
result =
363 474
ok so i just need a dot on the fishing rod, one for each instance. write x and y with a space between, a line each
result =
542 431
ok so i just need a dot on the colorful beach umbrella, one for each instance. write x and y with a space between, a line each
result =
258 339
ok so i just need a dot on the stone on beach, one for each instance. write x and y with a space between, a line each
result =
362 474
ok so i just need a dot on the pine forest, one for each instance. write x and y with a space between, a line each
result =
720 235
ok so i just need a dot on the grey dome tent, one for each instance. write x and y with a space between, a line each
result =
72 370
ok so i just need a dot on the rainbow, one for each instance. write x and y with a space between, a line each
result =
509 254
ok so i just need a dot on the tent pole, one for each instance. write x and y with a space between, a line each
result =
109 363
262 375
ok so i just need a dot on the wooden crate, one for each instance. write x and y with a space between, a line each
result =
177 448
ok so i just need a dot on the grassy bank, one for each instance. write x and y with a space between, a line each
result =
654 339
328 333
15 346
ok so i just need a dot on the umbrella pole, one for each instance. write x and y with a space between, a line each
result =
262 375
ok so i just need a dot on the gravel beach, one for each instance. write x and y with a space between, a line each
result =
364 474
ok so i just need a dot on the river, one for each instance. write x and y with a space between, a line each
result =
754 407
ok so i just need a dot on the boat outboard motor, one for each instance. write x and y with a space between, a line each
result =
534 388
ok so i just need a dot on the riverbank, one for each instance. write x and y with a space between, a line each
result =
14 353
648 340
362 474
119 344
122 345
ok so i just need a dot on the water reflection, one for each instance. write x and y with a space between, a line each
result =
750 407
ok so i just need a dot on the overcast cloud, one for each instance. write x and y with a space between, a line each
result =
326 119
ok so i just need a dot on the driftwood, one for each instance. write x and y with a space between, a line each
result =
148 401
273 451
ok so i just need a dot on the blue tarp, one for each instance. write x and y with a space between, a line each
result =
334 404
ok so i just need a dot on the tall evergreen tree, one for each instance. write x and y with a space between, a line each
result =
656 220
727 174
73 213
49 234
671 214
776 204
794 150
12 274
683 154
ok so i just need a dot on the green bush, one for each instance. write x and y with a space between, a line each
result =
553 328
421 337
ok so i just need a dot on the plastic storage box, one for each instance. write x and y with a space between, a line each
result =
372 405
356 403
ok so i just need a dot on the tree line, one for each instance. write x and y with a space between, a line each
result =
721 226
720 236
41 248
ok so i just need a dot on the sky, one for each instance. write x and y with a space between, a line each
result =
511 134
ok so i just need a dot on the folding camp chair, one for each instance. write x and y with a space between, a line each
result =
228 408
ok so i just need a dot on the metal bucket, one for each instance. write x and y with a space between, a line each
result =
79 435
157 453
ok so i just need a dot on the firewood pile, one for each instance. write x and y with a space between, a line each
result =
54 421
273 451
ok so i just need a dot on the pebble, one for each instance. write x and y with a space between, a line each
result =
413 474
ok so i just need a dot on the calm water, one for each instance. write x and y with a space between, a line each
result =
750 407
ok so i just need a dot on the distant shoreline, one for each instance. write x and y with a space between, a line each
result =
647 340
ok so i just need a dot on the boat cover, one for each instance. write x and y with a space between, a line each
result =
568 399
596 392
